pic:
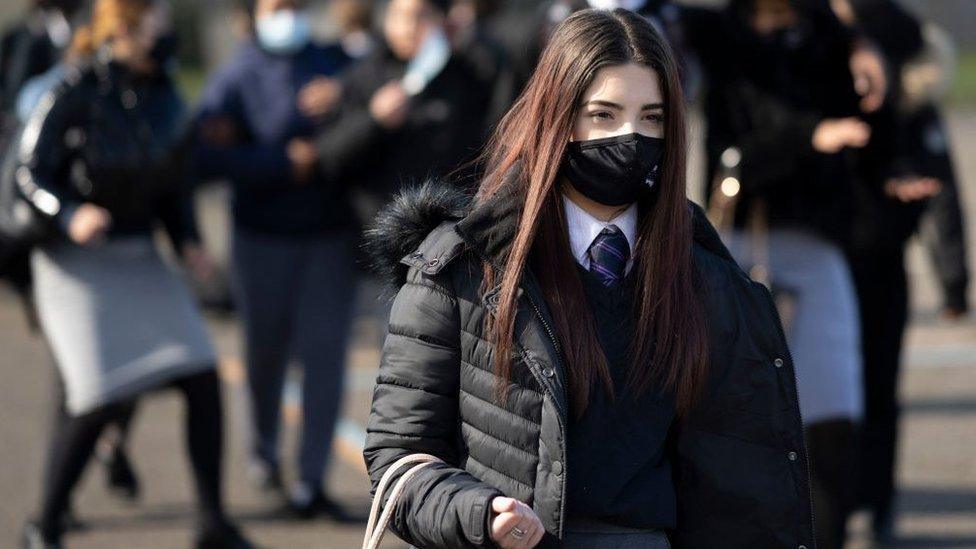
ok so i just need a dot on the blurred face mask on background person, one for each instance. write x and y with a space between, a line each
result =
431 57
407 23
151 44
632 5
284 31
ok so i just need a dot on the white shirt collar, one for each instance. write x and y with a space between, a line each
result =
583 228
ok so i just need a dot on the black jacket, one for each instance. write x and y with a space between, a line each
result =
765 96
106 136
445 127
922 146
739 460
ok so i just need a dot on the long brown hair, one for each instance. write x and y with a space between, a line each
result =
669 351
108 18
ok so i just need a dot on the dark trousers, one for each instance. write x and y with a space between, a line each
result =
75 438
121 423
296 297
833 448
883 293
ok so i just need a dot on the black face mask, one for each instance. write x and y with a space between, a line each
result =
614 171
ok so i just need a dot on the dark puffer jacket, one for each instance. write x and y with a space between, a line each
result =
739 459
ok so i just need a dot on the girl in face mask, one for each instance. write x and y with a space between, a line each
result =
575 346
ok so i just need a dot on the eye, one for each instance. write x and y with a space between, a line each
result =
600 115
656 118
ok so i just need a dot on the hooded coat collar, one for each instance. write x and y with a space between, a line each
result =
429 225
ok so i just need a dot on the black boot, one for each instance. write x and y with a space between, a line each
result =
265 476
222 535
121 480
32 537
307 502
883 525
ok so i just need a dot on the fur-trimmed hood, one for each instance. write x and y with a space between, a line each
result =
408 220
405 222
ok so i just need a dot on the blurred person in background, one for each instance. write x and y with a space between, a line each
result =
121 479
34 45
918 185
693 30
413 109
782 99
354 19
101 157
28 49
469 27
293 237
666 15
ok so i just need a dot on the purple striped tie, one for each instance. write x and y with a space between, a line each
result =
608 255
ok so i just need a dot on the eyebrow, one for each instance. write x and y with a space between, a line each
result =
612 105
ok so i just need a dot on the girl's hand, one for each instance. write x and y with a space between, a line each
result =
509 514
834 134
198 262
319 96
390 105
89 224
912 189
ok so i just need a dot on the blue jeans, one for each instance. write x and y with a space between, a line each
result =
296 299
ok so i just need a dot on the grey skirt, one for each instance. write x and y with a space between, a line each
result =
824 333
117 319
591 534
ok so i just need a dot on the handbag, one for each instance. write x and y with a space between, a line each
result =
725 198
376 526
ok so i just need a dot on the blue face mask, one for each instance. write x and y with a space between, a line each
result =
283 31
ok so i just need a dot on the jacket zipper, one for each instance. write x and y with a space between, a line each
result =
799 412
555 343
562 441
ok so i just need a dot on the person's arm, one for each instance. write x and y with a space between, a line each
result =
175 208
944 230
236 156
415 409
772 135
347 138
946 244
42 153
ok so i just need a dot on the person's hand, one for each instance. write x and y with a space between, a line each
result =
508 514
870 81
303 157
198 262
912 189
833 134
319 96
389 105
89 224
218 131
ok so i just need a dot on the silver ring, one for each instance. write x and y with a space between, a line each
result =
517 532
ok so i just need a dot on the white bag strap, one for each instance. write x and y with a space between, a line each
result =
376 527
